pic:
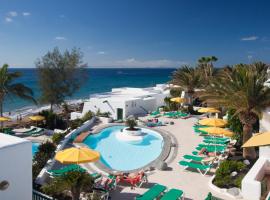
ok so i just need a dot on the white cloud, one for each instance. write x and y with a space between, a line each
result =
26 13
12 14
60 38
250 38
250 57
132 62
8 19
101 52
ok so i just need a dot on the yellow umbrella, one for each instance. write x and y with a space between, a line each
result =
4 119
259 139
217 131
77 155
178 100
213 122
37 118
208 110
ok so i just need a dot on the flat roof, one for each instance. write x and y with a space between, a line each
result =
8 140
127 93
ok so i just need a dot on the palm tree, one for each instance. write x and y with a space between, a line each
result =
206 66
73 181
241 88
8 87
188 78
131 123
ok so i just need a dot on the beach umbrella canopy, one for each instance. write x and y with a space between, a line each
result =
37 118
75 155
213 122
259 139
4 119
217 131
208 110
178 100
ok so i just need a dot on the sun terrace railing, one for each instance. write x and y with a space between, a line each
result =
40 196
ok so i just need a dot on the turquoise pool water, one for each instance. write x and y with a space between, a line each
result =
124 156
34 148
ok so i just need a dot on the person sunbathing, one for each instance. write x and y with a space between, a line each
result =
132 178
204 152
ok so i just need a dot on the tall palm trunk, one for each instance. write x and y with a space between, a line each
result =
75 193
248 119
250 152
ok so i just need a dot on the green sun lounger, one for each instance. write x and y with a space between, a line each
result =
202 169
216 138
59 172
212 145
194 158
153 193
173 194
212 148
155 113
8 131
215 142
37 132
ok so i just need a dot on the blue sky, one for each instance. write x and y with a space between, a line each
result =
136 33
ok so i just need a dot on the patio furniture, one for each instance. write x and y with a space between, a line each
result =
152 193
202 169
173 194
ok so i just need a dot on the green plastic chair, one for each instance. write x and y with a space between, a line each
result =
153 193
173 194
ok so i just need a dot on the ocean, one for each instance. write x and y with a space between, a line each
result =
99 80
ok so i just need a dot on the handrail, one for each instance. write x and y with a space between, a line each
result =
40 196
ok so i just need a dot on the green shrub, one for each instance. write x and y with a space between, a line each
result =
57 137
52 120
170 105
238 180
87 116
222 181
131 123
175 92
76 123
236 126
223 174
103 114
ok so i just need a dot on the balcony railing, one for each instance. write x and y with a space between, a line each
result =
40 196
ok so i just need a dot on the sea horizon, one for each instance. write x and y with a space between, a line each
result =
116 77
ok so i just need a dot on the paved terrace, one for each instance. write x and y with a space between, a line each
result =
193 184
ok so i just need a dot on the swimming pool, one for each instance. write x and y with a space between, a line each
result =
34 148
123 156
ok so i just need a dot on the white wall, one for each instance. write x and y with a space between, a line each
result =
16 168
94 104
265 121
251 185
140 106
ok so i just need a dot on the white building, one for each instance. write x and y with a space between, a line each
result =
251 184
15 168
123 102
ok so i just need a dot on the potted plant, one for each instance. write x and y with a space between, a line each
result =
131 123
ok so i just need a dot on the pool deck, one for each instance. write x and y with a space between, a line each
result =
194 185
